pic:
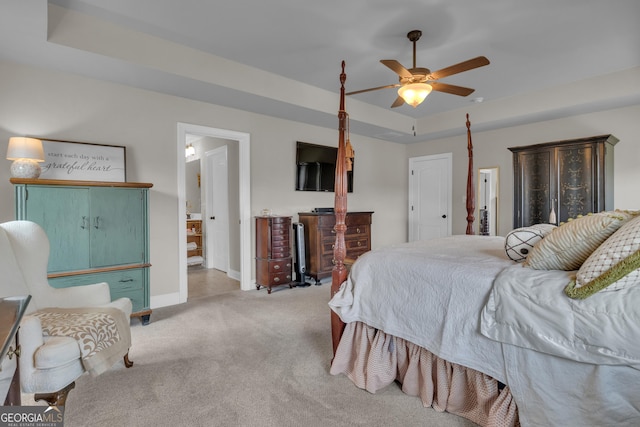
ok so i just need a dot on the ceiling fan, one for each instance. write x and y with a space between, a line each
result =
417 82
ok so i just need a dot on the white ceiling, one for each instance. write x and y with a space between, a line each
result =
282 57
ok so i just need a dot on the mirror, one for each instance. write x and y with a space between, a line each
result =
487 201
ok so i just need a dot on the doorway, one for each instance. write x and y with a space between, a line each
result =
430 196
487 200
244 200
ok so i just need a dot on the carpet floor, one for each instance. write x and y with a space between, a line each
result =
236 358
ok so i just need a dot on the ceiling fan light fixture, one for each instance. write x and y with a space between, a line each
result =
414 93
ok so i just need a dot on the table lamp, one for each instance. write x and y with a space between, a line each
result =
26 153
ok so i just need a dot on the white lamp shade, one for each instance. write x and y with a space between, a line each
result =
414 93
25 148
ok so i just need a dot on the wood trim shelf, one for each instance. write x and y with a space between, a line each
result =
97 270
36 181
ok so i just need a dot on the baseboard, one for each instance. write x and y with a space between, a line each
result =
234 274
165 300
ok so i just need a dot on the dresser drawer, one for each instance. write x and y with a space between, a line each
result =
122 283
353 230
352 219
279 278
280 221
273 272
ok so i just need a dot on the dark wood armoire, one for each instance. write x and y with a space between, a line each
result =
562 179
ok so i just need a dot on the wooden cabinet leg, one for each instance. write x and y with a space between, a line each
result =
128 363
145 319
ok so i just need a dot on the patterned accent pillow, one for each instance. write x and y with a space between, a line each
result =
569 245
614 265
519 242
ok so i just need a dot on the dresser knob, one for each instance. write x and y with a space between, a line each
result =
276 279
358 230
359 243
276 267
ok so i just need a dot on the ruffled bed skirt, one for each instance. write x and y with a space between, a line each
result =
372 360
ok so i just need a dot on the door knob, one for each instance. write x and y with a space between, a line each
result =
444 216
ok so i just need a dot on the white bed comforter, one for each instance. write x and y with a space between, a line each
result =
420 291
528 308
440 294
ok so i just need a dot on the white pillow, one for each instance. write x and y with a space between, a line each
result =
519 242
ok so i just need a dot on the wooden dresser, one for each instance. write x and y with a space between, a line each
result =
273 252
320 238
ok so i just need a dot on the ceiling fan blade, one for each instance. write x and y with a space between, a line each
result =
480 61
398 102
397 67
370 89
452 89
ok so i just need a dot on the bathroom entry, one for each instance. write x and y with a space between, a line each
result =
488 201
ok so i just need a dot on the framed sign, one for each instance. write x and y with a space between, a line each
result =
83 161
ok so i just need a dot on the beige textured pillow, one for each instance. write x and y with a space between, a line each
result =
613 266
569 245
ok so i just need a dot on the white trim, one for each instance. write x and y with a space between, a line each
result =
244 143
234 274
165 300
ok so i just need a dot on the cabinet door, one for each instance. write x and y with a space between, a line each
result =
63 213
576 181
117 226
534 171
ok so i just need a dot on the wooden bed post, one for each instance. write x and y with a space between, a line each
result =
471 196
339 272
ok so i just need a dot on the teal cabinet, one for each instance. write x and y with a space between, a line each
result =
98 232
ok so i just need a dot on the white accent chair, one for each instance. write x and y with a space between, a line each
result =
49 365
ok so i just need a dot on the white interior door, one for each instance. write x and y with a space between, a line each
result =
430 196
217 210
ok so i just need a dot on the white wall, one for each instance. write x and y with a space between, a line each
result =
62 106
490 149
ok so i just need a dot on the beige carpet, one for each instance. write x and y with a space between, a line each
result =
237 358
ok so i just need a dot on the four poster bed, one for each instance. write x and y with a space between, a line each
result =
459 323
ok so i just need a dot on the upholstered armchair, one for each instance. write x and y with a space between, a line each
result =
52 357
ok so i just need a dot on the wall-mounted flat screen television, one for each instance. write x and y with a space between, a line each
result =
316 168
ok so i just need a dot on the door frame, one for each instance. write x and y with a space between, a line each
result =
412 202
244 172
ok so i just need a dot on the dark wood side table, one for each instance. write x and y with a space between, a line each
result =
11 311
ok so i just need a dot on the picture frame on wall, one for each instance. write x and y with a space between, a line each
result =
83 161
